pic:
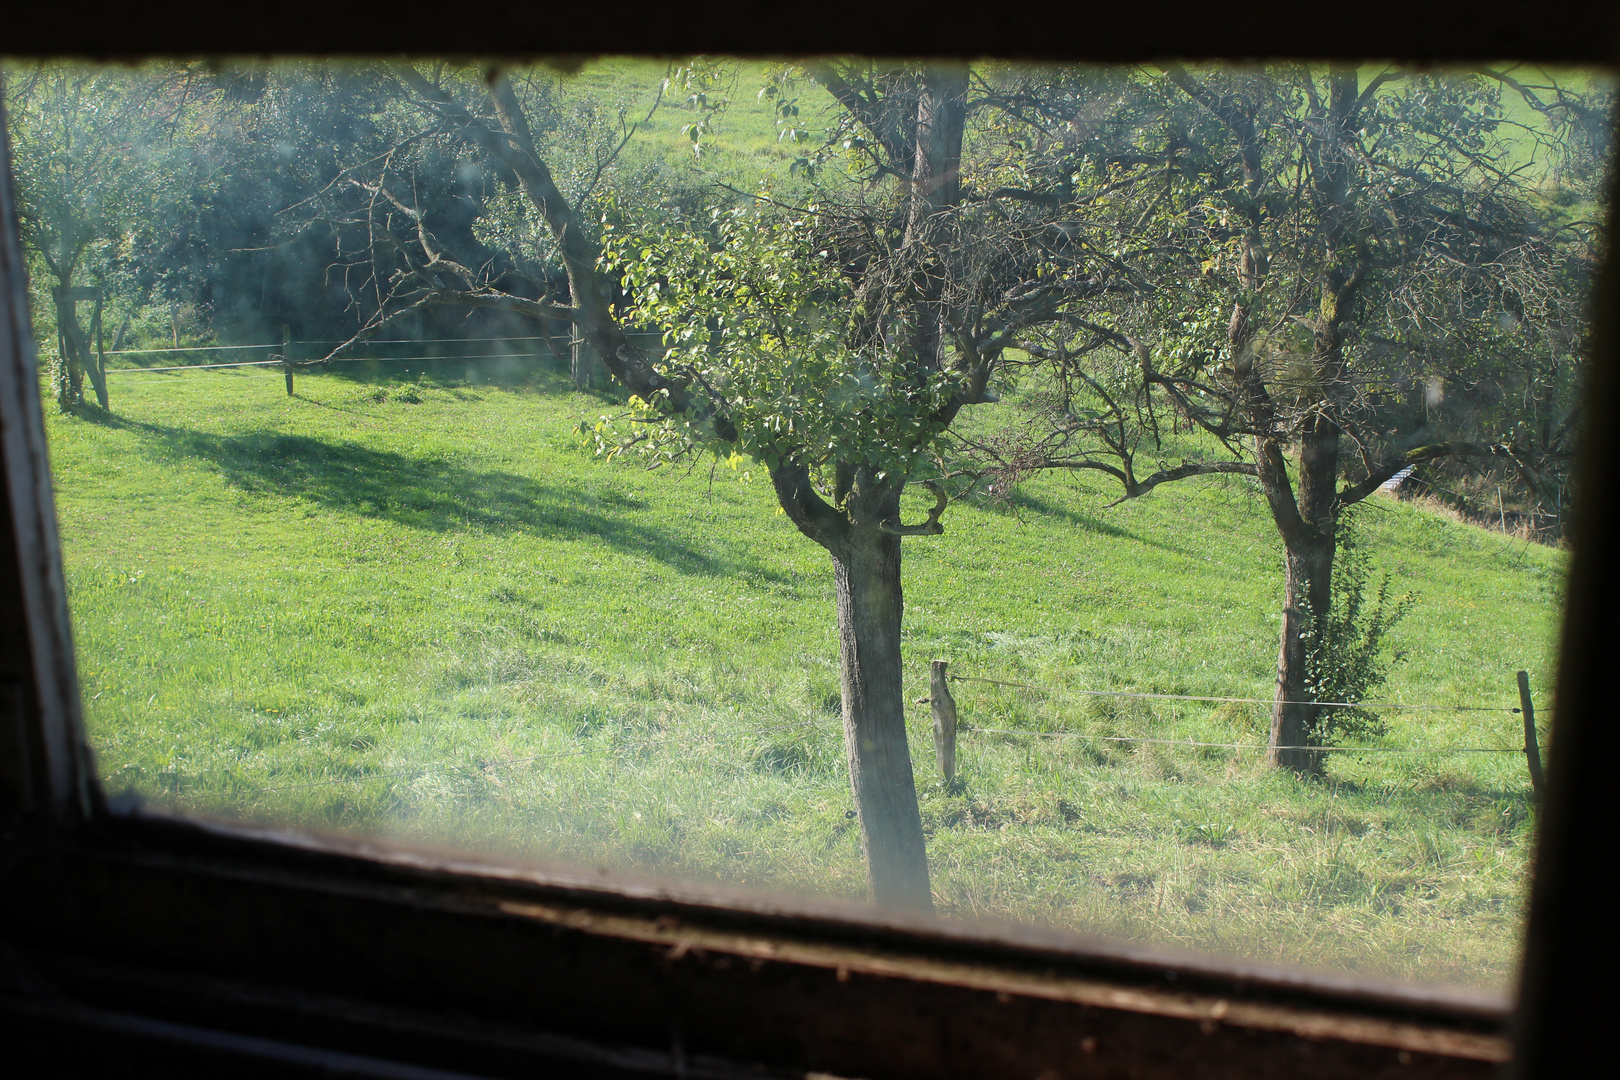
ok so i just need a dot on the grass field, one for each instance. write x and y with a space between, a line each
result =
410 603
744 147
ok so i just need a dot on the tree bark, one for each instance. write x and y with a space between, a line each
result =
98 358
861 535
70 342
1307 591
935 186
68 382
867 572
1310 542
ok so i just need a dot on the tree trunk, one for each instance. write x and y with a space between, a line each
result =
1310 540
96 360
63 386
867 572
70 343
1307 591
935 186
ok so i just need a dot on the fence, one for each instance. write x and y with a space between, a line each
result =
283 354
947 728
947 723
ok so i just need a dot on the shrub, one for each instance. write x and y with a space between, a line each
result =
1346 660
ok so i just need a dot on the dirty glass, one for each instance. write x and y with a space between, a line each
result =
1118 500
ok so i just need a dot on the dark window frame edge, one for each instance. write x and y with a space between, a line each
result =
57 807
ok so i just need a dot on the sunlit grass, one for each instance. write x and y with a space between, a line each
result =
429 613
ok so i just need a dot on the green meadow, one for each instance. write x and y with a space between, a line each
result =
410 603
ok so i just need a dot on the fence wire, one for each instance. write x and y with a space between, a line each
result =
1241 700
309 363
1245 746
443 766
968 729
280 344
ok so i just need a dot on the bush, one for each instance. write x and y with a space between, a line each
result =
1346 660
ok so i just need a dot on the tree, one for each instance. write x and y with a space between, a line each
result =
836 343
85 140
420 181
858 520
1312 258
239 249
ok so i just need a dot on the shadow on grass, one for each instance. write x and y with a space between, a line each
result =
91 413
515 372
1023 501
429 494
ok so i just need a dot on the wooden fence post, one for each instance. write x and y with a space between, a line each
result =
944 707
1532 751
286 356
99 362
583 362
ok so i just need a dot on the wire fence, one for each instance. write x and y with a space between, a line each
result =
1246 746
965 728
419 770
313 363
1243 700
280 360
480 768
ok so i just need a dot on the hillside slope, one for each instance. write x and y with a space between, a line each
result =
416 606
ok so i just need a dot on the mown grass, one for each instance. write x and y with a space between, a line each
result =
412 605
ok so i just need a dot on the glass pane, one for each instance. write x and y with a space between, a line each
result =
592 467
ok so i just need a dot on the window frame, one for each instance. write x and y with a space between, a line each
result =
160 940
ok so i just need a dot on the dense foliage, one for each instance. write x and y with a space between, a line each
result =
1346 659
758 310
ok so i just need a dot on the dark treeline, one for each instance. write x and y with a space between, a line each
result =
218 204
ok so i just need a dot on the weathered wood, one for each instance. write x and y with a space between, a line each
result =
98 364
944 708
583 363
1532 749
36 646
209 926
581 360
286 357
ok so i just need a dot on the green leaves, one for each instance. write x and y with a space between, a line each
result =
708 87
754 321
